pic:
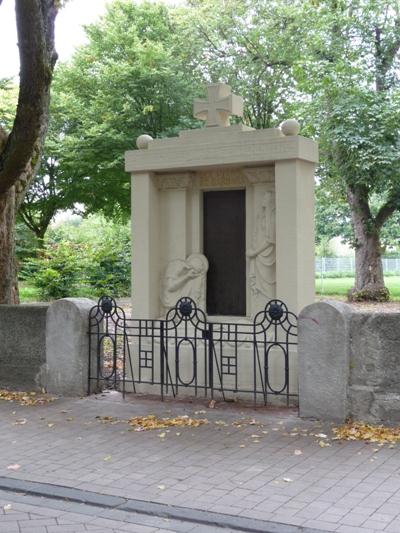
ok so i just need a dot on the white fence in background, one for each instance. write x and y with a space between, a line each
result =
325 265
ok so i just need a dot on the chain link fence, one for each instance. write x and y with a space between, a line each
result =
345 266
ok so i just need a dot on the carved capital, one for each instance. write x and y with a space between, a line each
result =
260 174
175 181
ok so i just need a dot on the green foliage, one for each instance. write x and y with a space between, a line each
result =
128 80
58 270
8 103
92 258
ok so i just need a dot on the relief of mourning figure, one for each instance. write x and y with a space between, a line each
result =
185 278
262 254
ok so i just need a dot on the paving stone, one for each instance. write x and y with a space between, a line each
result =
202 468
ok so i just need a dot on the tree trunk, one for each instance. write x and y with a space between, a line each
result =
20 151
8 274
369 282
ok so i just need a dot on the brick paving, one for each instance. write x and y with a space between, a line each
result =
26 514
222 467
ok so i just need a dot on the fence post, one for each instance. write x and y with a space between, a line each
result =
67 346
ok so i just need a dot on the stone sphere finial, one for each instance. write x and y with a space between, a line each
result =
290 127
142 142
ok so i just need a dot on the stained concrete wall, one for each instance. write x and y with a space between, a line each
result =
45 346
23 346
349 363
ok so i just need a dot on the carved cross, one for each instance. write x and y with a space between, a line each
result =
219 106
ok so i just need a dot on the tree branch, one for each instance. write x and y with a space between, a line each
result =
387 210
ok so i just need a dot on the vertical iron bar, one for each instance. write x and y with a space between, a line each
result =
210 359
162 359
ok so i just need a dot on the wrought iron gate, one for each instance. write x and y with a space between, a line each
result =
187 351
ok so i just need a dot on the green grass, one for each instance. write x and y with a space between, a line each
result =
340 286
28 293
324 287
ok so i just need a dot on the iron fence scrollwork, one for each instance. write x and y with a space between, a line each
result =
187 350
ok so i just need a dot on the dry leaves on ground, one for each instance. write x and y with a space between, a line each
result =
26 398
367 432
144 423
148 422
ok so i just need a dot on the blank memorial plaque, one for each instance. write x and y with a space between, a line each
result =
225 249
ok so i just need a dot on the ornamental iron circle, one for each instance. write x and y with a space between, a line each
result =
186 308
276 310
106 304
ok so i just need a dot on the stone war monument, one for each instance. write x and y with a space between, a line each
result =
223 214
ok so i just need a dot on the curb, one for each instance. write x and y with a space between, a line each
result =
186 514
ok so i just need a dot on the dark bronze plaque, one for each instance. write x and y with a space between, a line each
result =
225 249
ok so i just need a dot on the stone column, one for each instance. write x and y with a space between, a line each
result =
324 360
295 262
145 245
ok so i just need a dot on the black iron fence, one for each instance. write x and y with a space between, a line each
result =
188 351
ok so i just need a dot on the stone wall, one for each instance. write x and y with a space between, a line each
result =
45 346
22 346
349 363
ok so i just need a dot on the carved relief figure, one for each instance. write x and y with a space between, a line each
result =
185 278
262 254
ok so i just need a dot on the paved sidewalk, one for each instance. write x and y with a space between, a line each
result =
264 464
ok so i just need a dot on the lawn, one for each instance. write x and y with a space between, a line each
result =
340 286
323 287
28 293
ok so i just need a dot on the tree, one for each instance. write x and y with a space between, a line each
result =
54 188
131 78
353 76
20 150
253 46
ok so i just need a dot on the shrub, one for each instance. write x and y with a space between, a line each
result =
87 260
58 270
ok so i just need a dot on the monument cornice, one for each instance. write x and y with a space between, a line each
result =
202 149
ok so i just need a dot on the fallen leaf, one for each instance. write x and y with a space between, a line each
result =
321 436
142 423
287 480
323 444
161 435
242 445
161 487
14 467
378 434
7 507
107 458
220 423
297 452
211 405
26 398
20 422
50 424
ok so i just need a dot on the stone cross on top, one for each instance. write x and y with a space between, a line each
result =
219 106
